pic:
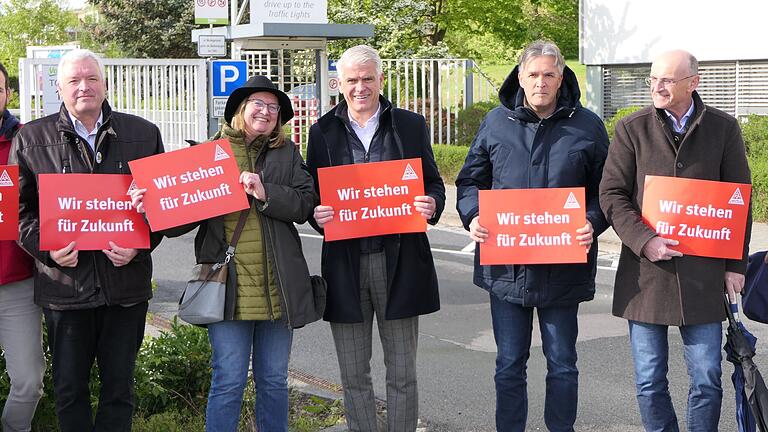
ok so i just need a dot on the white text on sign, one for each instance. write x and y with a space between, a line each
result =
348 194
533 218
693 231
190 198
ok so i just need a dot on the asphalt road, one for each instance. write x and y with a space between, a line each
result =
457 352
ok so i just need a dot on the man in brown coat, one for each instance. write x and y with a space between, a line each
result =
656 286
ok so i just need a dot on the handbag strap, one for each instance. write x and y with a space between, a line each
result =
237 232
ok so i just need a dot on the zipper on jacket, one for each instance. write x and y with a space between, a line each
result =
265 264
84 154
265 260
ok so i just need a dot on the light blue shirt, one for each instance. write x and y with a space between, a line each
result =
366 133
80 129
680 127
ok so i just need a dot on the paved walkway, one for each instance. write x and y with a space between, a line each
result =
609 244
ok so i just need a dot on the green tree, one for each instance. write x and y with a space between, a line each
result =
403 28
439 28
556 20
146 28
36 22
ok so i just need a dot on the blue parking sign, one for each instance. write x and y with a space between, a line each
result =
227 75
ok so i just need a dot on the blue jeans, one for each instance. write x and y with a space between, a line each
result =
512 327
701 349
231 342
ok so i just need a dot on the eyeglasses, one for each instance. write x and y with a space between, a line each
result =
665 82
260 104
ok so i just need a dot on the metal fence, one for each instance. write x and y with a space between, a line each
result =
437 89
173 93
169 93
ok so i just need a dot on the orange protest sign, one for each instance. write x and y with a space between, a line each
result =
189 185
90 209
9 202
372 198
708 218
532 226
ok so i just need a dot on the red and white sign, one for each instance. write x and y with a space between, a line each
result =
9 202
532 226
90 209
372 198
708 218
189 185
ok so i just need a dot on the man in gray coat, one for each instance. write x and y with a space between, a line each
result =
656 286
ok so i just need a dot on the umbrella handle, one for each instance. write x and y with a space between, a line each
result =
732 309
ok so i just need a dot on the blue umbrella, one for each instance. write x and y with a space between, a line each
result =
751 391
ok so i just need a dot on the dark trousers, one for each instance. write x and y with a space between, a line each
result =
112 336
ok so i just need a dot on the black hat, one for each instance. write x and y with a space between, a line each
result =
258 83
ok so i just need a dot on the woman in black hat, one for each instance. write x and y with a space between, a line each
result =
273 293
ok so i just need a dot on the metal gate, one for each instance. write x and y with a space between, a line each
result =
169 93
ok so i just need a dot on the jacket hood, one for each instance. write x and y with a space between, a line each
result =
10 124
511 95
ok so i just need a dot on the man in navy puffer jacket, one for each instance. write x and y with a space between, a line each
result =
539 137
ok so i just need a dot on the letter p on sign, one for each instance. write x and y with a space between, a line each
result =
227 75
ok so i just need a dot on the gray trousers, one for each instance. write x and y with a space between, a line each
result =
353 348
21 340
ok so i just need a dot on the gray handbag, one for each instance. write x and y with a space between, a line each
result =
203 299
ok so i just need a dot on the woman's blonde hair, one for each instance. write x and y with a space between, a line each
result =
276 138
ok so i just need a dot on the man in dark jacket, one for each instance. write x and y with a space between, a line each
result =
392 277
20 332
94 302
656 286
539 137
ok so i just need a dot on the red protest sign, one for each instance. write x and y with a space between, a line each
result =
372 198
708 218
90 209
532 226
9 202
189 185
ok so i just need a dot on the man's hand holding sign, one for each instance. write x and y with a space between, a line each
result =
373 199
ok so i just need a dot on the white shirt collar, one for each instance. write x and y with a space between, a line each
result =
374 118
80 129
366 133
680 127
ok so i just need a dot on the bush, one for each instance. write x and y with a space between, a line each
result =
610 124
173 371
755 133
468 121
449 160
